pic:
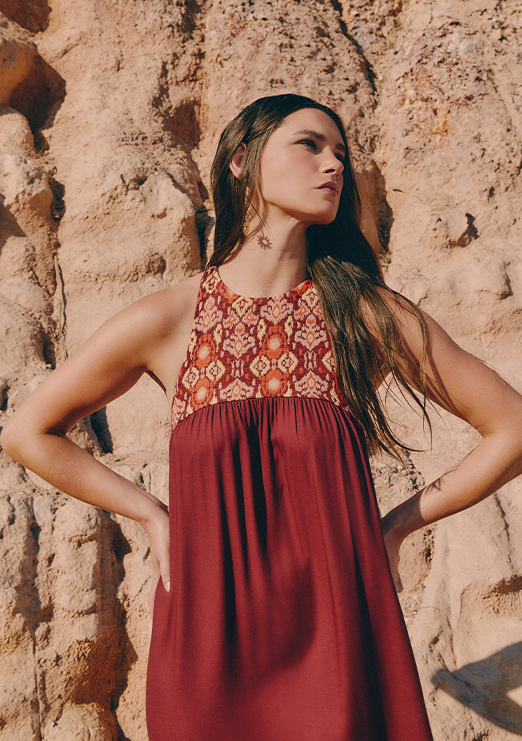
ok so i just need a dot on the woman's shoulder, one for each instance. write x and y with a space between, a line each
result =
151 334
161 312
153 322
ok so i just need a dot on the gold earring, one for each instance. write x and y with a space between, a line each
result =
246 227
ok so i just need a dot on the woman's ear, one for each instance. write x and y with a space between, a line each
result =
236 163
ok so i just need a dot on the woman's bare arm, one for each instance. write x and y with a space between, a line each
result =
149 337
469 389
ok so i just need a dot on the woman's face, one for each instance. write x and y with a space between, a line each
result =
301 172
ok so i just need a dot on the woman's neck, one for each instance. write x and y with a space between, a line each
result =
270 261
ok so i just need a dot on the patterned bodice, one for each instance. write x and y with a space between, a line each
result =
252 348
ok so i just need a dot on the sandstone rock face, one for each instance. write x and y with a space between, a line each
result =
109 117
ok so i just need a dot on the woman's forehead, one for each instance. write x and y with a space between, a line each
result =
308 121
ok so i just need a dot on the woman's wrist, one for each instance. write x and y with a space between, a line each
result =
153 514
403 519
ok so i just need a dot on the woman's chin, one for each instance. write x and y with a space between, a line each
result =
325 218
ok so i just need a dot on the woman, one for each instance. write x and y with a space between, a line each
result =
275 613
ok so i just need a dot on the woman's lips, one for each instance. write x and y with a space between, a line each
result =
330 187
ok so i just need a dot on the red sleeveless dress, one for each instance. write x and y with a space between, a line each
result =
282 623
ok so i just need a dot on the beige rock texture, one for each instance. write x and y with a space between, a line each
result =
110 111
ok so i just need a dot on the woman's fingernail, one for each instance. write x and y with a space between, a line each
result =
167 586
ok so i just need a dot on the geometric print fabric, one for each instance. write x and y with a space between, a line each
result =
252 348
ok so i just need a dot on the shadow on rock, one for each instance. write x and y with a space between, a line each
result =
30 14
483 686
39 96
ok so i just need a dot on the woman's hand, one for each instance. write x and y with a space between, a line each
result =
157 528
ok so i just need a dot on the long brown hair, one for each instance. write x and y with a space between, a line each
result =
344 267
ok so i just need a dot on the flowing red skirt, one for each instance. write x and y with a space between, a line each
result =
282 623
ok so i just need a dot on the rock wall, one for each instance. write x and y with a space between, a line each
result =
110 113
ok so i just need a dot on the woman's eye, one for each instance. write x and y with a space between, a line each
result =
309 143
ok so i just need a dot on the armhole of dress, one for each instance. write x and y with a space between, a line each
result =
204 275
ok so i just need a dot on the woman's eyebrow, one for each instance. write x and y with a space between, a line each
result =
319 136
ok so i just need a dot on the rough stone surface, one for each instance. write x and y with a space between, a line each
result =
109 116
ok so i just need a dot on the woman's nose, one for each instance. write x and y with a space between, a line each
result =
332 164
